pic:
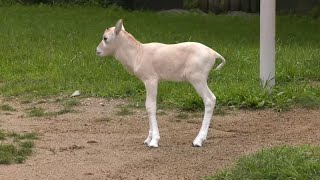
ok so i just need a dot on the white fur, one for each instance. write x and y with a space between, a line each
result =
151 62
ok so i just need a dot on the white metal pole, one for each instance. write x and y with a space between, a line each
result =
267 43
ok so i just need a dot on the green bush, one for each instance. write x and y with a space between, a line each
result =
190 4
103 3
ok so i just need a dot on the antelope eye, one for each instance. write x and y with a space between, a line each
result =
105 39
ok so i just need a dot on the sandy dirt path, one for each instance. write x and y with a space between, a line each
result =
97 143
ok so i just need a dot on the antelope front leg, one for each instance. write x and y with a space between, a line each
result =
151 106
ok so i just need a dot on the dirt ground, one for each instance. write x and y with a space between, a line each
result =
98 142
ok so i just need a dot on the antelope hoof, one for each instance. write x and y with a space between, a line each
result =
197 143
153 144
147 141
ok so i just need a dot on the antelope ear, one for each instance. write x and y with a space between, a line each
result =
118 27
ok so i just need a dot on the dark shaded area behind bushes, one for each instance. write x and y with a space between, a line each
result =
62 2
311 7
128 4
253 6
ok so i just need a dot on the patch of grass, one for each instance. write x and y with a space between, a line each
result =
221 110
56 100
182 115
11 154
26 101
161 113
103 119
40 112
36 112
2 135
7 107
42 101
302 162
16 150
67 107
29 136
136 104
63 111
124 111
48 62
71 103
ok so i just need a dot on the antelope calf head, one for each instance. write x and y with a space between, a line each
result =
109 40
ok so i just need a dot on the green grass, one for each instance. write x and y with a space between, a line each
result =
124 111
36 112
51 50
71 103
40 112
302 162
182 115
15 148
7 107
67 107
2 135
22 136
67 104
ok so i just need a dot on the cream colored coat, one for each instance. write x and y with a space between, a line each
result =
151 62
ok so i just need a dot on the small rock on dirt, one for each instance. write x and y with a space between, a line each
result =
76 93
88 174
92 142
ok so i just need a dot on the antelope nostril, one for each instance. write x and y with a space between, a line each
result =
98 52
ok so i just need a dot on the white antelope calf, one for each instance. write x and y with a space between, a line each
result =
151 62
